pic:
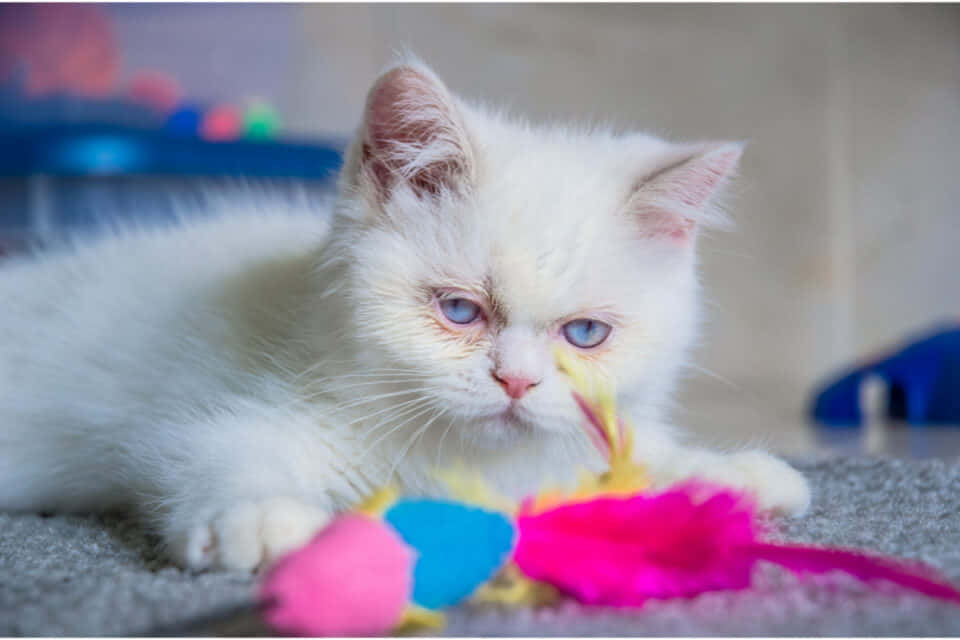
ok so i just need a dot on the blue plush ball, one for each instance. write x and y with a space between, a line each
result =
459 547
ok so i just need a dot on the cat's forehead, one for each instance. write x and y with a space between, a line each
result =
545 230
542 257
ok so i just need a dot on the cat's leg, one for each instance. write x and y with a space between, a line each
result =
237 490
778 487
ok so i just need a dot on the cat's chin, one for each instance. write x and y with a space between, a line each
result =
506 427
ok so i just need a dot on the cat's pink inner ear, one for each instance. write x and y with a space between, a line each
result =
676 199
413 134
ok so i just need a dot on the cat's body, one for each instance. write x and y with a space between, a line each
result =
240 378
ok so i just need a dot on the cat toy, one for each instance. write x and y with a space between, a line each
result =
391 564
612 541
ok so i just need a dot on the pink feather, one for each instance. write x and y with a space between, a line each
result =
692 538
811 559
593 426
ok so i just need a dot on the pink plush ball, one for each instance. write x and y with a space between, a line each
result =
222 122
354 578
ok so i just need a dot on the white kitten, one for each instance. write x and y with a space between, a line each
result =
240 379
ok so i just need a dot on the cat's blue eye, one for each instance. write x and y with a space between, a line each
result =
586 333
460 310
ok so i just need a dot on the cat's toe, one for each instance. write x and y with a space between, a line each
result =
238 545
288 524
248 536
193 549
779 488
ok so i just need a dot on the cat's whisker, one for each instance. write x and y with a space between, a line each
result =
443 437
392 407
334 389
423 411
411 441
410 406
339 385
369 371
374 398
394 428
714 375
376 372
368 399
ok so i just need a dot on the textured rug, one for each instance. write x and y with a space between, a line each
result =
96 576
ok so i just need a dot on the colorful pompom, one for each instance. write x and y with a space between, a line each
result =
260 121
222 122
353 579
459 547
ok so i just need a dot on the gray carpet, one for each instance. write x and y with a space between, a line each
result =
100 576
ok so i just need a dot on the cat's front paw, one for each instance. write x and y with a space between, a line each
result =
248 536
778 487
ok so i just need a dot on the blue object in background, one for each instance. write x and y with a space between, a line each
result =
185 120
58 179
459 547
99 154
923 380
75 164
92 149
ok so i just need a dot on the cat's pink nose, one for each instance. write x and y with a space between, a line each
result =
515 386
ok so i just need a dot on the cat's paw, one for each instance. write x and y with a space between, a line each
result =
249 535
778 487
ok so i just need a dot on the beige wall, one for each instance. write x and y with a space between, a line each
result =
847 210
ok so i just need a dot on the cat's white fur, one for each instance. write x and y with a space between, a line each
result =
239 378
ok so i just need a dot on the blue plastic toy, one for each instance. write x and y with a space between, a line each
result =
923 379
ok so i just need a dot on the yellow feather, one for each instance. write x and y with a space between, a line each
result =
377 504
415 619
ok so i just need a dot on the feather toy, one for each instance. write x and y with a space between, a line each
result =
611 541
388 566
611 544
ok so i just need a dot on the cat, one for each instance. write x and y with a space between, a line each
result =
239 379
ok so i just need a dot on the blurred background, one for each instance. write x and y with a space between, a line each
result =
847 213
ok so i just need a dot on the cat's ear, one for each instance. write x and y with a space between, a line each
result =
413 135
680 195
